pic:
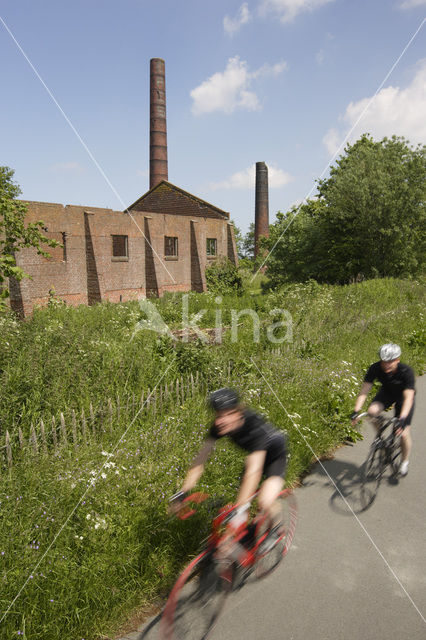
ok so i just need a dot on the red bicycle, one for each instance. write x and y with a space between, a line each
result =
199 593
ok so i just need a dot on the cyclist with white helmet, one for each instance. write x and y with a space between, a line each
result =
397 388
266 449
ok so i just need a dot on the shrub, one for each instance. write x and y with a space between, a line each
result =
222 278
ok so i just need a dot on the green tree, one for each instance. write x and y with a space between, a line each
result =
247 244
14 234
296 243
367 221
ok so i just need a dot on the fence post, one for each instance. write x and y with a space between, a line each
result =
192 383
54 434
74 428
63 429
177 391
92 418
110 414
8 450
33 439
118 408
84 424
43 436
21 438
142 400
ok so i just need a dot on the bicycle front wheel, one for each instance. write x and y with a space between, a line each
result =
274 546
196 600
371 475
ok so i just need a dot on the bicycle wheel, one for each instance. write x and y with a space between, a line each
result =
271 550
371 475
196 600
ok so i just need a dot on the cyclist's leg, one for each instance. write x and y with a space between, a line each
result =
274 472
406 441
268 494
380 402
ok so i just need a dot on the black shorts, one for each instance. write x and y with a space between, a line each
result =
276 457
387 399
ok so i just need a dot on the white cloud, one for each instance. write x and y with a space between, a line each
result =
229 90
394 111
66 167
232 25
289 9
246 179
411 4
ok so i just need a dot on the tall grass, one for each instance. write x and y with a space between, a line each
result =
86 532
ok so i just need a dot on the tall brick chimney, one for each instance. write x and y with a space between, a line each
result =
261 216
158 126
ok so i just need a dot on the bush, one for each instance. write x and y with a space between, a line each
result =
222 278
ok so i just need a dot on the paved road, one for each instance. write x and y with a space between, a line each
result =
347 577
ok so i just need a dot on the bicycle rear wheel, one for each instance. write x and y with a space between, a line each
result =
196 600
371 475
271 551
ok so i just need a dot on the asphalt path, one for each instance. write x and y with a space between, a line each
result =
351 574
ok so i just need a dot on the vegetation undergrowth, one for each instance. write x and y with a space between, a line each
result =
85 533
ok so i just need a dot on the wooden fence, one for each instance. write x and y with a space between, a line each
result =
76 427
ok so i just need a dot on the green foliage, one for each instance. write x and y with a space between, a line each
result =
118 550
14 234
368 220
222 277
246 249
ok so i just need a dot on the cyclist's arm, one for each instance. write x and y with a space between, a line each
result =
197 467
365 390
252 476
408 395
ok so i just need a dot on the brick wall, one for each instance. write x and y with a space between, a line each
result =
90 274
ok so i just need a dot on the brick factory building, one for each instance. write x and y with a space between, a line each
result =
162 242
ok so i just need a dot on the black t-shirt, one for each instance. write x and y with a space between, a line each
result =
392 383
255 434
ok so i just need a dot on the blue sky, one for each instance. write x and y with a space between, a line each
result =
281 81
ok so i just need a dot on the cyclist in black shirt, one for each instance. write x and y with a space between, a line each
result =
398 386
266 448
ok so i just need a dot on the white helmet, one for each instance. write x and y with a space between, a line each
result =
389 351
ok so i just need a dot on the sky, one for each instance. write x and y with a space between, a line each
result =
286 82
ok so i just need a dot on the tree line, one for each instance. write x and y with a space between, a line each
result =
367 220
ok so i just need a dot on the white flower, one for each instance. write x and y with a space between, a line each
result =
103 475
88 516
105 453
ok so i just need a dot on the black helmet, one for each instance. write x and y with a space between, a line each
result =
224 399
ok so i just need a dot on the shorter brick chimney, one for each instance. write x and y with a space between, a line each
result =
261 216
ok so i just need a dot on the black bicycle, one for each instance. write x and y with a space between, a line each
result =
385 451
